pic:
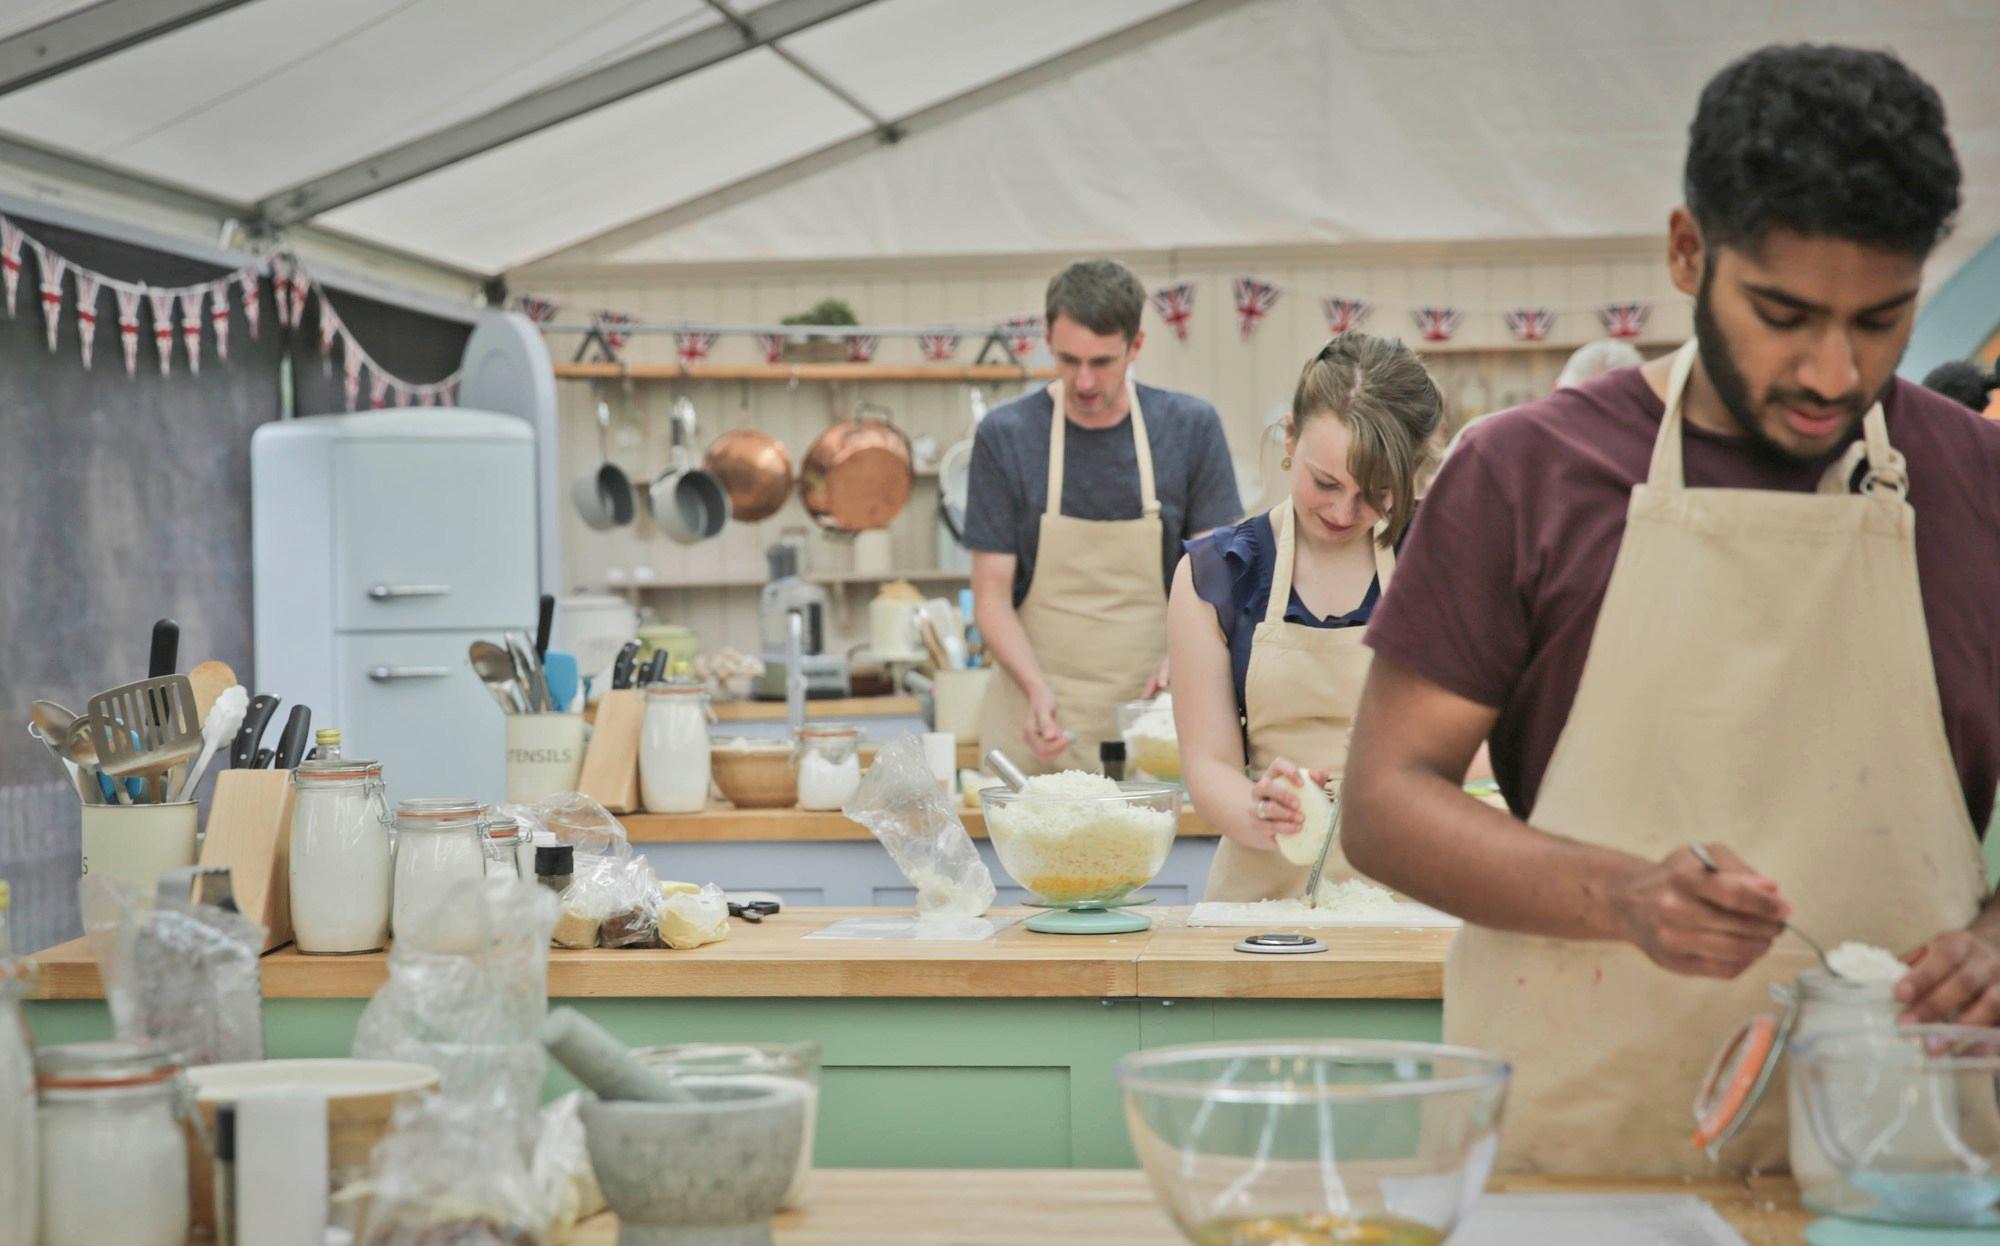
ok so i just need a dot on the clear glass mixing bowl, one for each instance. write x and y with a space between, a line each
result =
1080 851
1315 1143
1910 1116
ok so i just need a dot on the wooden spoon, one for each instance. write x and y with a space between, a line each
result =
209 679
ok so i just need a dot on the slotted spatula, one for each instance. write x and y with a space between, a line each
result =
147 727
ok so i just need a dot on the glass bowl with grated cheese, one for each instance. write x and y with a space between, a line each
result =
1077 839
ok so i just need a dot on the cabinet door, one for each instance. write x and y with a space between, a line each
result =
411 701
433 534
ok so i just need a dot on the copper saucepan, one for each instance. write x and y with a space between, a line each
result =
754 469
857 475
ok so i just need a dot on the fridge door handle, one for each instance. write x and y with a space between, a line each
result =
387 674
390 592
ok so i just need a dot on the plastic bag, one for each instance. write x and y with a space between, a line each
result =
438 1180
576 820
900 803
565 1183
467 990
179 970
610 900
691 919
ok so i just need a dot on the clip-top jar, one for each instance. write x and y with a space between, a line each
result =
439 844
114 1164
673 747
504 844
340 858
829 764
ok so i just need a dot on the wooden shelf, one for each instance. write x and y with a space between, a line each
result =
786 373
725 824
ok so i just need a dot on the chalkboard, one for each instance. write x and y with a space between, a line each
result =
127 499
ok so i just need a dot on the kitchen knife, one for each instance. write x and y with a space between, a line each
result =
545 621
263 761
656 670
621 670
243 749
292 743
165 653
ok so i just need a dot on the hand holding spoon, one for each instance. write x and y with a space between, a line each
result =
1701 854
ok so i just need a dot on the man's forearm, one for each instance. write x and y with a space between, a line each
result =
1007 641
1422 835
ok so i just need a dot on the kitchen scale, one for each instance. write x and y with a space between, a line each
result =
1090 917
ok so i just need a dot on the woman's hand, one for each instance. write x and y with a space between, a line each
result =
1274 806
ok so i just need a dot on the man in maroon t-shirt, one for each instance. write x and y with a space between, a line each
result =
1817 182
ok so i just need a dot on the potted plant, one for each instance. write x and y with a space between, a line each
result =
810 348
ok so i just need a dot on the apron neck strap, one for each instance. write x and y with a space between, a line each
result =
1142 450
1283 525
1887 471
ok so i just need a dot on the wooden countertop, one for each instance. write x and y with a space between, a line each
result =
989 1207
727 824
773 959
841 707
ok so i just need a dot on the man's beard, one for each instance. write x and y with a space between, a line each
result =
1734 391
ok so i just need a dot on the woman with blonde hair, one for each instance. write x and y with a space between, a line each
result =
1265 619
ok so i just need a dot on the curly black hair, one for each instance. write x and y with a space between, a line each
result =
1962 381
1825 142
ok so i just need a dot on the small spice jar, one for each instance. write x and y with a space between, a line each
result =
110 1125
439 844
829 764
555 866
504 846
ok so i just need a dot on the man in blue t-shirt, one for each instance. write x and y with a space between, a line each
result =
1072 600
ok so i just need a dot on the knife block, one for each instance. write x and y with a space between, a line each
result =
250 831
611 764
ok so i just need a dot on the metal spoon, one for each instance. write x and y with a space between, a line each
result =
495 667
1708 863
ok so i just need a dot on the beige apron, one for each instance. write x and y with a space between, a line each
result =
1760 676
1299 697
1095 614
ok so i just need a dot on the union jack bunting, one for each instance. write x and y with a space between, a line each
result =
350 369
448 391
329 328
163 326
1625 320
1530 324
281 290
87 284
191 319
378 389
128 324
297 285
938 347
1437 324
771 346
1344 315
1021 332
607 325
11 239
400 392
861 347
1254 300
253 286
218 317
693 347
53 267
539 311
1175 303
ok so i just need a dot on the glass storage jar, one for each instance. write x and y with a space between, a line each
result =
504 843
829 764
439 844
673 747
341 864
113 1159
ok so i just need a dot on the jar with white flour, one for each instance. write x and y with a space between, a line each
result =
439 845
673 747
829 764
114 1165
340 858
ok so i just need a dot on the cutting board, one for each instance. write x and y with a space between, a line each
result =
250 831
610 774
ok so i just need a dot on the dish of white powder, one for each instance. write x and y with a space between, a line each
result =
1864 962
